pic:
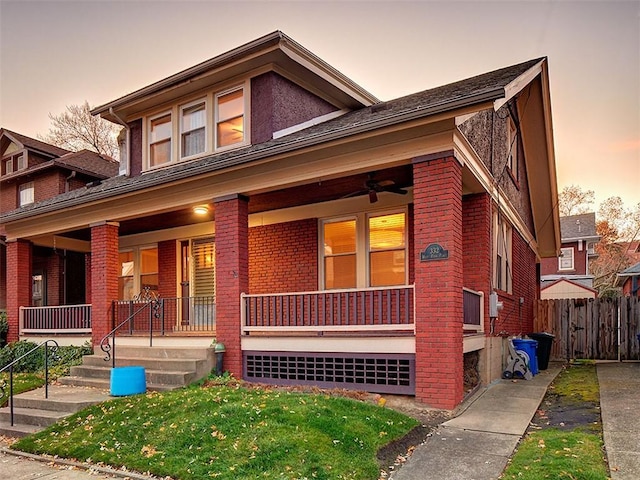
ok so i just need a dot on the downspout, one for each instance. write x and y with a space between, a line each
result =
123 171
66 181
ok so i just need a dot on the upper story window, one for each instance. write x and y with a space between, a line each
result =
502 247
26 191
160 140
230 118
15 163
565 261
214 121
193 120
364 251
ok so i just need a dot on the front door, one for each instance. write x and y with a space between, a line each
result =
198 282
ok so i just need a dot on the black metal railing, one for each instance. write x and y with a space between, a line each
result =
3 383
147 300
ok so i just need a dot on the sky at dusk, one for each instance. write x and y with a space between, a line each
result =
54 54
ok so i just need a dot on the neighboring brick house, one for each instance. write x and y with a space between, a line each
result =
32 171
629 281
567 276
325 237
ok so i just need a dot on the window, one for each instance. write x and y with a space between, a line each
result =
502 254
214 121
565 261
193 119
26 194
386 250
364 251
340 254
512 148
160 140
230 118
138 268
21 161
9 166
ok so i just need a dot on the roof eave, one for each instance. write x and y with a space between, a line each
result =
270 42
535 111
480 100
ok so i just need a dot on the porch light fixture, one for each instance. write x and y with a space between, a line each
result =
201 209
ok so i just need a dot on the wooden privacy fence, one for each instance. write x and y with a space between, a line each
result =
592 328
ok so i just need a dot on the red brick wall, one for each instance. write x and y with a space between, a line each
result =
19 289
549 266
104 277
167 272
3 277
516 318
437 198
8 196
283 257
476 238
54 280
232 252
87 280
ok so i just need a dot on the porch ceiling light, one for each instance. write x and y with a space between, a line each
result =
201 209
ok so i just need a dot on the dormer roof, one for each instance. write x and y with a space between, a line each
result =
578 227
84 161
33 144
275 51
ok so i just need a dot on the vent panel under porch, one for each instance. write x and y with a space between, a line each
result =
381 373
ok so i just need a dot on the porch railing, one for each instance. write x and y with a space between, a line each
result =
177 314
472 310
61 319
368 309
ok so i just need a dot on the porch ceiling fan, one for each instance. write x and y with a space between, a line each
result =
373 187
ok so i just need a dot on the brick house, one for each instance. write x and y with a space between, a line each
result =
629 281
325 237
568 275
32 171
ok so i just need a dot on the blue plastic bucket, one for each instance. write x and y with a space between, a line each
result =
128 381
530 347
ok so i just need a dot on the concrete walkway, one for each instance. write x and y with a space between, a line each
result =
620 410
477 444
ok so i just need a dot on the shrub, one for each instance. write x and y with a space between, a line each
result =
60 359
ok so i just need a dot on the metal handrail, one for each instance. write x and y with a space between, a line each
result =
150 298
3 383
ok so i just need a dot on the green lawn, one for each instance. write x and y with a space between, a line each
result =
229 432
22 382
556 451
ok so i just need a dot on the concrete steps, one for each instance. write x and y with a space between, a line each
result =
165 369
33 412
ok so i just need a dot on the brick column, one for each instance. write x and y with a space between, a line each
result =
437 196
477 245
104 277
232 274
19 265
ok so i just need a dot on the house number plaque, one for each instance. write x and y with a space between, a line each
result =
434 251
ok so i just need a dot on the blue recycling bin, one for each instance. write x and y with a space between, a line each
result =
530 347
128 381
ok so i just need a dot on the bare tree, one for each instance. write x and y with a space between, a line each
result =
76 129
617 227
573 200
